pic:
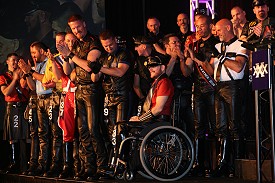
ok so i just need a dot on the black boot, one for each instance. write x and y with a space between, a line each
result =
13 167
198 166
33 164
55 168
222 168
238 153
68 161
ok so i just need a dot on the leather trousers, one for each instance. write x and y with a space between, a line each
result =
47 113
183 115
228 107
204 113
87 102
116 113
34 139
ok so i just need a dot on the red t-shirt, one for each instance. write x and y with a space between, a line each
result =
164 88
5 80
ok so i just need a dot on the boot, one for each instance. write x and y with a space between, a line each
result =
238 153
34 156
223 156
68 161
238 150
55 168
198 166
13 168
76 157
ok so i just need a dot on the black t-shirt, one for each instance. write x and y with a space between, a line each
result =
204 50
81 49
118 85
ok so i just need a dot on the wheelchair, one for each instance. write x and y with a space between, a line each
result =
156 151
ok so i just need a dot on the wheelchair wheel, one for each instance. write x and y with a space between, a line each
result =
128 175
166 153
144 174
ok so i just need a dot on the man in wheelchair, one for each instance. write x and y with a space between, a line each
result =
148 144
157 105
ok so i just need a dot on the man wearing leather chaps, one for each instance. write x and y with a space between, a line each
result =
86 49
204 112
31 116
115 68
229 68
47 112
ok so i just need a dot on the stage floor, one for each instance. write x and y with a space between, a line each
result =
13 178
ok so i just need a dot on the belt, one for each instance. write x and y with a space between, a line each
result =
44 96
230 81
81 87
114 95
69 90
15 104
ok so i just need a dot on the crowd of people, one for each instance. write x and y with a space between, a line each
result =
67 103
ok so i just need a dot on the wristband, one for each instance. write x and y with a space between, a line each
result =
27 75
71 55
32 71
146 116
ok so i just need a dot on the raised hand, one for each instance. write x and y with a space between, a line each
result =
23 66
63 49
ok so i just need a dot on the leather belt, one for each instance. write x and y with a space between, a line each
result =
44 96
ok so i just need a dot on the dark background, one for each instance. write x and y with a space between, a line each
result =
128 17
125 17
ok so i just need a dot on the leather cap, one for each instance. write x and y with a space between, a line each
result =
259 3
152 61
142 40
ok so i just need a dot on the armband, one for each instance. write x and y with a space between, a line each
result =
71 55
146 116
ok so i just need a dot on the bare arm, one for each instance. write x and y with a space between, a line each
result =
92 56
160 102
68 67
237 64
159 49
7 90
30 82
186 66
136 86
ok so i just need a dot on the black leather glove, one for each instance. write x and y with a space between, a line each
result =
95 66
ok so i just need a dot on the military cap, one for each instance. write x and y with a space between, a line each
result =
152 61
259 3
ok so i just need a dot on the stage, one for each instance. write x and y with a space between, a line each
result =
12 178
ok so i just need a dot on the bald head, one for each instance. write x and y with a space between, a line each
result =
224 22
224 29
